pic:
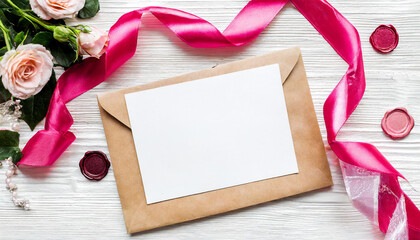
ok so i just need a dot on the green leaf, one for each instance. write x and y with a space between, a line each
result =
4 4
90 9
35 108
64 53
28 38
24 24
14 152
9 146
4 93
10 17
22 4
9 138
3 51
20 37
43 38
2 42
16 155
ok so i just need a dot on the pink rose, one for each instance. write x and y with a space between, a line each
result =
93 43
26 70
57 9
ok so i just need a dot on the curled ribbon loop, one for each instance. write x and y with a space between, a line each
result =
47 145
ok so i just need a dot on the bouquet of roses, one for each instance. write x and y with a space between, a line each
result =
34 39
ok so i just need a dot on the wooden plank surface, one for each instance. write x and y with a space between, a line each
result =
67 206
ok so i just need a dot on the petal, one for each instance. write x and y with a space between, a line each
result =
38 10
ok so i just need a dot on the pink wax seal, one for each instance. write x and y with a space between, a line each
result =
94 165
397 123
384 39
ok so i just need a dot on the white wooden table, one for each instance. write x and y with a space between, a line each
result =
67 206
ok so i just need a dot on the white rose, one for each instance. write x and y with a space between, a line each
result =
57 9
26 70
93 43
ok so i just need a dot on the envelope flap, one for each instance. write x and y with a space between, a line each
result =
114 102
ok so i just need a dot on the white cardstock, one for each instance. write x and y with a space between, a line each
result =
212 133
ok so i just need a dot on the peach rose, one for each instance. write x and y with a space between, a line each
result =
26 70
93 43
57 9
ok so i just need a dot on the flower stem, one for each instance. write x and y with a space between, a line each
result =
51 27
75 30
31 18
6 36
42 23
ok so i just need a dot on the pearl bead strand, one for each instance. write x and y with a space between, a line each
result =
12 187
10 113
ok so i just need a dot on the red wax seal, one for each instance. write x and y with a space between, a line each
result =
384 39
94 165
397 123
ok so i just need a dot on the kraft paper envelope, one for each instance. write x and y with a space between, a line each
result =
314 172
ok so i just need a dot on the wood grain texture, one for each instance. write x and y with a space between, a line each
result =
67 206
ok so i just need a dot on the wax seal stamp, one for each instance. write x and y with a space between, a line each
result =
397 123
384 39
94 165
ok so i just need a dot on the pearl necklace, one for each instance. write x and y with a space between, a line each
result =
12 187
10 111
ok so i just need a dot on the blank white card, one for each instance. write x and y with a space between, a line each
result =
211 133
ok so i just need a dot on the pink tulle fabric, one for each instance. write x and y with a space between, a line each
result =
371 181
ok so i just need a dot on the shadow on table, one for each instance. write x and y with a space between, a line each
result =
36 172
234 212
42 173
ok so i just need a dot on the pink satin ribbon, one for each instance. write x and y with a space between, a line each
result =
47 145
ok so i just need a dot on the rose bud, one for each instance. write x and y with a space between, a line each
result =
56 9
93 42
62 34
26 70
